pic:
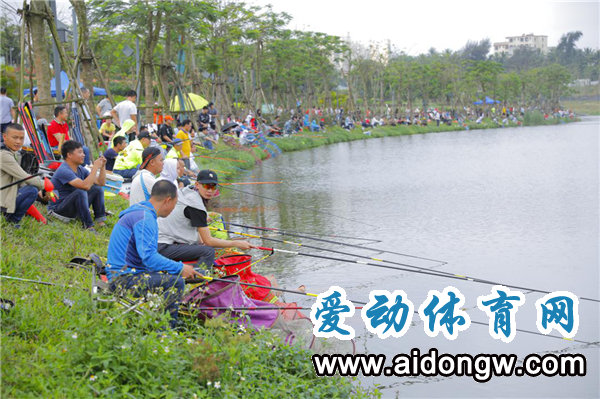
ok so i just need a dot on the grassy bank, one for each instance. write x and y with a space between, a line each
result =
57 344
239 161
583 107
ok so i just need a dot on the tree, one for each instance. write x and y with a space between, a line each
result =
85 55
476 50
41 59
567 46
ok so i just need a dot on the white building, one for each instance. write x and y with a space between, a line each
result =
539 42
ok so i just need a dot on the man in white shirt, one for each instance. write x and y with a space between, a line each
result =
126 110
143 181
7 113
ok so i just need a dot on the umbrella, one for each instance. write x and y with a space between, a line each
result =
197 102
64 83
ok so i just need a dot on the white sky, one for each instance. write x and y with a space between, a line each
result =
417 25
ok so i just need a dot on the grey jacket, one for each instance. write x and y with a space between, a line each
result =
11 171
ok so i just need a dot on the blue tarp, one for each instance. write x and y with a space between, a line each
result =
64 82
488 101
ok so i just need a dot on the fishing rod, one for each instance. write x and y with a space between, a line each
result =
250 183
425 271
260 308
319 248
224 159
36 281
306 235
22 180
202 278
285 232
301 207
365 303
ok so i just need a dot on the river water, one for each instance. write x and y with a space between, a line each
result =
517 205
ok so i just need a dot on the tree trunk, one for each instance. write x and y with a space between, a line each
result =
86 57
154 25
40 59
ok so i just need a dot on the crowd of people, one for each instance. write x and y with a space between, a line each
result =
163 237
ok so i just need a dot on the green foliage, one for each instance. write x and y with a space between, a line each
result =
533 118
89 349
10 80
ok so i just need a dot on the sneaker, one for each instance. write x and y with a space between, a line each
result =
61 218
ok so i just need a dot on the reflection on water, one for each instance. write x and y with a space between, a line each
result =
518 206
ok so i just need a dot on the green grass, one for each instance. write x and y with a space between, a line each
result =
583 107
53 350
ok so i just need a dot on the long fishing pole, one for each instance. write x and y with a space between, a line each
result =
250 183
301 207
21 181
425 272
365 303
319 248
284 232
202 278
224 159
297 233
36 282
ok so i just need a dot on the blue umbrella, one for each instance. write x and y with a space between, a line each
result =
64 82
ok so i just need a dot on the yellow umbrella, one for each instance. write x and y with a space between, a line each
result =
197 102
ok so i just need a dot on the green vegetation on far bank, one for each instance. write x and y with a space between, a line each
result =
306 140
583 107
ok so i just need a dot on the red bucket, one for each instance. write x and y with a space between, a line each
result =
240 265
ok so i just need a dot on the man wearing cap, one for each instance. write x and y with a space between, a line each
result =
175 151
165 131
143 181
130 158
184 235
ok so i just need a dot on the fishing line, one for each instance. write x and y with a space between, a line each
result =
365 303
300 206
320 249
293 233
347 245
425 271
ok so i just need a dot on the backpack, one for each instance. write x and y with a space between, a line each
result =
29 162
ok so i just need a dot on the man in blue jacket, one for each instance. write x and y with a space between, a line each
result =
133 260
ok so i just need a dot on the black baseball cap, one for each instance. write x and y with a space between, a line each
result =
207 177
143 135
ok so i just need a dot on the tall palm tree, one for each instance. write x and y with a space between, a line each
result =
567 47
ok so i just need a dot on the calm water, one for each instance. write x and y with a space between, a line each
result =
517 206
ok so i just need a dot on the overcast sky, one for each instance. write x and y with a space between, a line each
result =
416 26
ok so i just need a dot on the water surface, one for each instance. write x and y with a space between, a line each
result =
515 205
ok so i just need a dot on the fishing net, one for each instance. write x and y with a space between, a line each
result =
217 223
241 265
227 299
